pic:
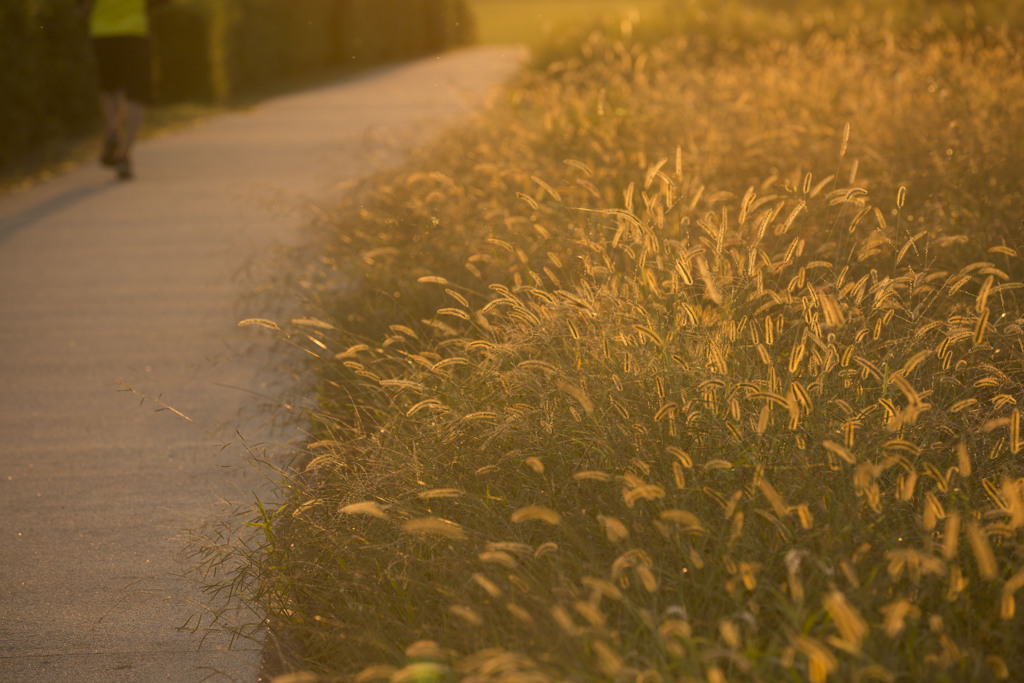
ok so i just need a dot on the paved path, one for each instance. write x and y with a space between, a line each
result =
102 283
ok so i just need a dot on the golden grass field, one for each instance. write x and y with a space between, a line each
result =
695 358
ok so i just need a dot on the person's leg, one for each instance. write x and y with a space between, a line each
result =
137 94
111 110
134 113
131 122
110 99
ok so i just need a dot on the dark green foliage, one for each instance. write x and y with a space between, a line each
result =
182 65
46 83
219 50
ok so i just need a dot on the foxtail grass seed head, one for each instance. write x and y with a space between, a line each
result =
614 529
435 526
259 322
536 513
852 626
369 508
432 494
984 557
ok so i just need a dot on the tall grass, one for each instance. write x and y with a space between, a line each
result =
681 363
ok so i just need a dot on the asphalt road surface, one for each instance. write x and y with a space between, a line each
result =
108 286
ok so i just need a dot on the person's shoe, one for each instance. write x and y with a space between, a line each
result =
124 169
109 156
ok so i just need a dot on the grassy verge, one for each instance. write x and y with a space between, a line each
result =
696 358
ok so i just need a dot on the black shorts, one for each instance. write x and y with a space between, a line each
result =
122 63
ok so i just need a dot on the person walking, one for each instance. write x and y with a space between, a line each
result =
119 30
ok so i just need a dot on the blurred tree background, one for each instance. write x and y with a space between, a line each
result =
205 51
47 87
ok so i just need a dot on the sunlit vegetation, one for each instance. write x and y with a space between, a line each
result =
536 22
694 358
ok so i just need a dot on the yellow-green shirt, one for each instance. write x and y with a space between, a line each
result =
118 18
